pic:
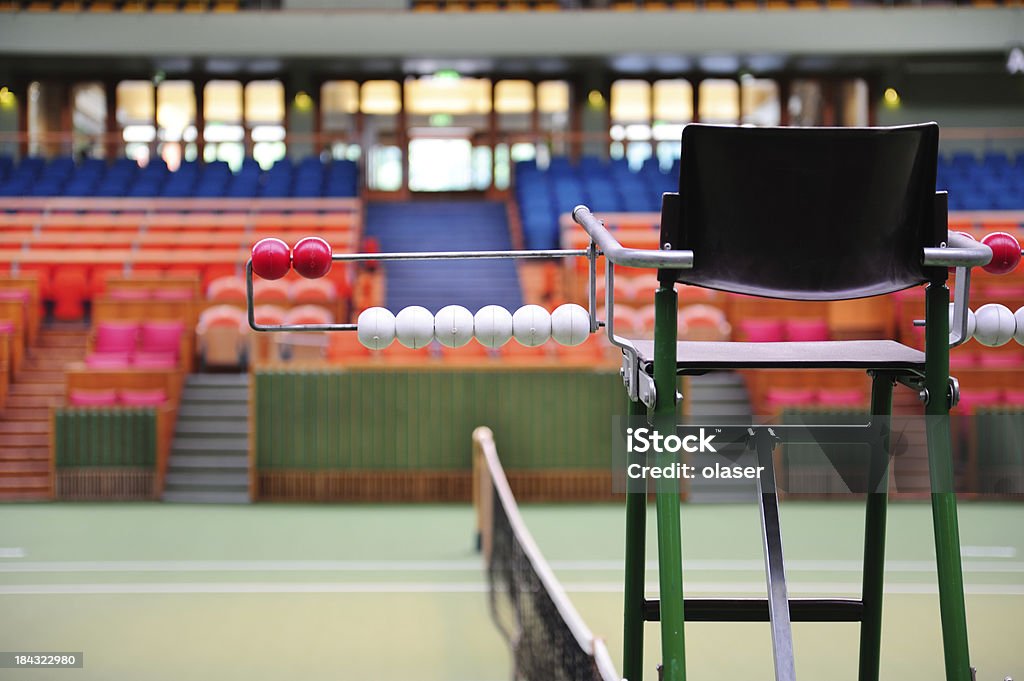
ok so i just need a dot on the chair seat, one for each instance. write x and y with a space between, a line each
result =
697 357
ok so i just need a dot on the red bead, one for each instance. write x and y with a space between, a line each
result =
311 257
1005 252
271 258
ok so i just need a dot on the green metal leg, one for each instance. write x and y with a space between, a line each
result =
636 559
670 553
940 466
874 535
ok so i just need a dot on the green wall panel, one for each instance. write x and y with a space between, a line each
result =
105 438
424 419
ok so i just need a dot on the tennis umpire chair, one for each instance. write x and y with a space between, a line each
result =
811 214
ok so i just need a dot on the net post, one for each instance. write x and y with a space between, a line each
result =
636 559
670 553
481 502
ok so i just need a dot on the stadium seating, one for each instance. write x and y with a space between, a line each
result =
993 181
61 176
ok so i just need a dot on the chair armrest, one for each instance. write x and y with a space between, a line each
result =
959 251
629 257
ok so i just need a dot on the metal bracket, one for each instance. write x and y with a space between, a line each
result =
639 385
953 392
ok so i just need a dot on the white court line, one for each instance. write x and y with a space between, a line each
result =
903 566
12 552
455 587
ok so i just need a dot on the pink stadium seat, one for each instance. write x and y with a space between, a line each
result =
972 399
142 398
108 360
1013 397
155 360
762 330
1000 360
806 330
16 294
777 398
162 337
959 359
92 398
129 294
116 336
851 397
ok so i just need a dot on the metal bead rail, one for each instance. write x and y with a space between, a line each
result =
453 326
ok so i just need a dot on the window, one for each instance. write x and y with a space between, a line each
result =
380 101
136 115
175 120
222 107
264 116
760 101
719 101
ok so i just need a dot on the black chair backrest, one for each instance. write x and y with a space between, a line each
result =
807 213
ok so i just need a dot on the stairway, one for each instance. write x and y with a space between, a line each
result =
716 396
209 460
446 226
25 421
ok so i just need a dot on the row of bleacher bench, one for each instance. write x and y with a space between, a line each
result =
61 176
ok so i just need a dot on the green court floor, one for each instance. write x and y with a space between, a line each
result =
303 593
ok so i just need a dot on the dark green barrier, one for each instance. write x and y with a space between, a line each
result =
105 438
999 456
337 420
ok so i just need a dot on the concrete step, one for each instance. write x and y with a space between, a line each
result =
213 412
24 427
54 355
206 497
54 338
208 478
211 446
218 395
21 468
718 409
24 453
33 401
24 414
218 429
48 375
721 393
223 380
11 440
49 389
192 462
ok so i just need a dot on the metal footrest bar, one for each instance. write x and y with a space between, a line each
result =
756 610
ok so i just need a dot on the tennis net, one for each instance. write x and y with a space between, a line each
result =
548 639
